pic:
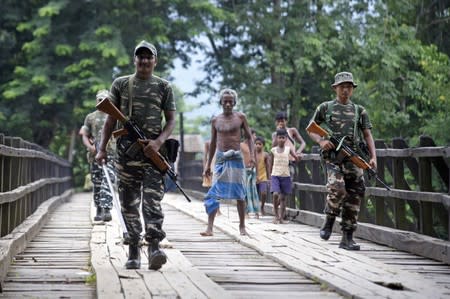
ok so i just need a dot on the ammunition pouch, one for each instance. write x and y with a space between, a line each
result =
171 149
131 148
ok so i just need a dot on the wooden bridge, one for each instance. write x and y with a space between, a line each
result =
51 249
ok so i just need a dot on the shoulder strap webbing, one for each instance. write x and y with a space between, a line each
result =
329 112
130 94
356 132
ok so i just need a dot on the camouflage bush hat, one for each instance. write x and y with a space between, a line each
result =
102 94
343 77
145 44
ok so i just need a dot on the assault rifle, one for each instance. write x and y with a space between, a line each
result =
133 130
356 159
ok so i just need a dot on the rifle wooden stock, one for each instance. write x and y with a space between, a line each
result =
313 127
107 107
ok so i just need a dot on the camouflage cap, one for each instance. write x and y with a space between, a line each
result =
343 77
145 44
102 94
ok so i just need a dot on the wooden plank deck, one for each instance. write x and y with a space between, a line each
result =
288 260
197 267
241 271
374 272
55 264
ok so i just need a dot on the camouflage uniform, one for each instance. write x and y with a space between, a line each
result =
136 175
345 181
93 125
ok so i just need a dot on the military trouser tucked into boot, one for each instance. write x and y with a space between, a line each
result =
134 257
156 257
347 241
345 186
139 180
327 227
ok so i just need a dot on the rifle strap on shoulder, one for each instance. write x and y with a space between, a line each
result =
329 112
130 94
356 132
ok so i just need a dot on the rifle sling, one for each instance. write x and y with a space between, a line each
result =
130 95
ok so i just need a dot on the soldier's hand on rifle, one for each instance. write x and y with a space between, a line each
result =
326 145
373 163
150 146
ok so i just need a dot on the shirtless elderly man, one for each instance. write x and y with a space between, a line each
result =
228 176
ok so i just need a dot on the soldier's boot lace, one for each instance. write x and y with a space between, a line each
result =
134 257
347 241
327 227
156 257
107 214
99 214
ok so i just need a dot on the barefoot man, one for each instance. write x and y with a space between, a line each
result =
228 176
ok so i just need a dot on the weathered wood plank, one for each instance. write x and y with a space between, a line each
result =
325 262
42 271
246 273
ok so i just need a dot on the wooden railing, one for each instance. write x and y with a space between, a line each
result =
29 175
418 202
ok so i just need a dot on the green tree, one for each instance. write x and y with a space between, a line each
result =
67 50
282 55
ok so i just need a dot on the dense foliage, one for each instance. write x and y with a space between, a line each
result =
279 55
282 55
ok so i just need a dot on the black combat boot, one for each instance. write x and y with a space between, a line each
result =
99 215
107 215
347 241
156 257
327 227
134 257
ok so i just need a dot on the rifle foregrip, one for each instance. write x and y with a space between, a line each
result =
159 162
360 162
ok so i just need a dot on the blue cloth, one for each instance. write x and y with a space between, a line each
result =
252 198
228 180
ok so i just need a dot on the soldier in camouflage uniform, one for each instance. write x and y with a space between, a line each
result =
151 98
345 181
91 133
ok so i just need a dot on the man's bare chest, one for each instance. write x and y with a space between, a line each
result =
228 125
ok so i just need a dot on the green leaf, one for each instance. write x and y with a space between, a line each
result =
63 50
39 80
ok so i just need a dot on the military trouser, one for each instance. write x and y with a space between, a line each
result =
102 194
345 186
138 179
